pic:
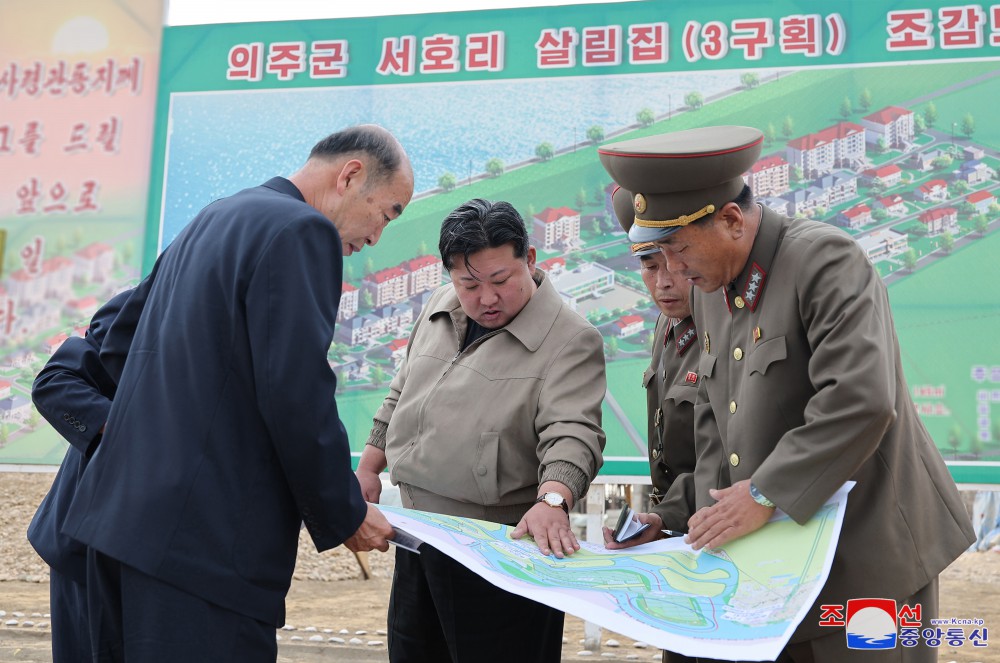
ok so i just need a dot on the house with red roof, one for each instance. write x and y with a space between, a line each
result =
839 146
894 204
23 287
939 220
553 266
932 191
556 228
888 175
93 262
425 273
53 343
855 217
58 275
85 307
628 325
397 349
981 200
388 286
892 125
769 177
348 302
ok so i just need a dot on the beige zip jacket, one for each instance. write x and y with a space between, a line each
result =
473 433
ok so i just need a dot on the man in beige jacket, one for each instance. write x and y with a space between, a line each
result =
494 414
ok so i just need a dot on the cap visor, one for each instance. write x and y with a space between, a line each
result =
638 234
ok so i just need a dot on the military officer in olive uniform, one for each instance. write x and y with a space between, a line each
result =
671 388
801 386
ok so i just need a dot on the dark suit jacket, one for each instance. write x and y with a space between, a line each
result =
73 392
225 433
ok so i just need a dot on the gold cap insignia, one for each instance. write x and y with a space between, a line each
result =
639 202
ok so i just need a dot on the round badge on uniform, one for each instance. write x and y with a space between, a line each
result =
639 203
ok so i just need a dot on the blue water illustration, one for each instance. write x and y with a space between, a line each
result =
864 641
221 142
640 587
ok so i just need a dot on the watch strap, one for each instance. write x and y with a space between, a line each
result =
563 505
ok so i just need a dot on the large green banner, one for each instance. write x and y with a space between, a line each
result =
877 115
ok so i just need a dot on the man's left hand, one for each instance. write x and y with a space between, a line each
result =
735 514
550 529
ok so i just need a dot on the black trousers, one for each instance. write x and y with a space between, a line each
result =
139 619
440 611
68 607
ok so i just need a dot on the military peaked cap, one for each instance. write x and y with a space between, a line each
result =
677 178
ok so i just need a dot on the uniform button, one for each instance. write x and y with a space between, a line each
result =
83 428
481 470
65 416
734 459
732 407
739 302
738 353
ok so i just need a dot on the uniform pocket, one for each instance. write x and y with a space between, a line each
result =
706 365
486 470
682 393
766 354
647 377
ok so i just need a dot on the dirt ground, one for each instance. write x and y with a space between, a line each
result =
330 600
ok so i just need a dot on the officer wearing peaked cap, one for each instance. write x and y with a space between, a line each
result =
800 365
671 389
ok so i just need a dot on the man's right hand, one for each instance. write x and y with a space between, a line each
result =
374 532
371 485
651 533
370 466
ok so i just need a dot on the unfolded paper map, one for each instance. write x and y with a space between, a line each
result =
740 601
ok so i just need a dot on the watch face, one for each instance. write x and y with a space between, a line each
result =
553 499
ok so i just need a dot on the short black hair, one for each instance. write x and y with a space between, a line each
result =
743 200
481 224
380 146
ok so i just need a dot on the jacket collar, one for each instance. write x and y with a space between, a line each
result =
747 289
530 326
282 185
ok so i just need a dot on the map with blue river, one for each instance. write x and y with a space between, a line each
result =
742 600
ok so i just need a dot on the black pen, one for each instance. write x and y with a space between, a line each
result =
670 532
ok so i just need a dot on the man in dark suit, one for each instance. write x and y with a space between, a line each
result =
225 433
74 393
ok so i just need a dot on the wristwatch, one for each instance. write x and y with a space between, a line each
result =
554 500
759 498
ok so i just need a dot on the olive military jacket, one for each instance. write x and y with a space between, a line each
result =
671 384
473 432
802 389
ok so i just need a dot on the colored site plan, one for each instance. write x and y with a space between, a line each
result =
742 600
